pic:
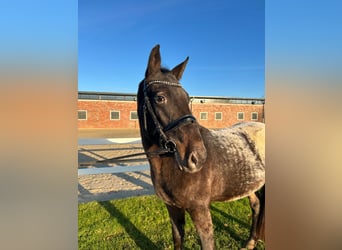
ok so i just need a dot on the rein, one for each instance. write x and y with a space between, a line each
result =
123 157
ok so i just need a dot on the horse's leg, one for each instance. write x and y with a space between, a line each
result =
258 213
177 216
257 202
255 206
260 228
201 218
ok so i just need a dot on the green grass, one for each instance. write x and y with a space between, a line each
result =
143 223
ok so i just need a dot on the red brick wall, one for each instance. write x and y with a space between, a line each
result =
229 113
98 114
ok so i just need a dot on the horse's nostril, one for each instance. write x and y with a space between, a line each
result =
193 158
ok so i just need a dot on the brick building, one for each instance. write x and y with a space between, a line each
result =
118 110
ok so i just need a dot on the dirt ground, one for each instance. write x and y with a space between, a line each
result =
108 133
102 187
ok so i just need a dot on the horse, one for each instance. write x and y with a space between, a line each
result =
192 166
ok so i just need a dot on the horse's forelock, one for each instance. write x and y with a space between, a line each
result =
165 70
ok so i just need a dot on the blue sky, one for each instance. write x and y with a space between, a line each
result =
225 41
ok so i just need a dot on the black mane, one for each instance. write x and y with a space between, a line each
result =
164 70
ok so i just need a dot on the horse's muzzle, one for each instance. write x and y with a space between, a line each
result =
195 161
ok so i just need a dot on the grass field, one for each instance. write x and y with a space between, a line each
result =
143 223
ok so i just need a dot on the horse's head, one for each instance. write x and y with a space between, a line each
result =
165 117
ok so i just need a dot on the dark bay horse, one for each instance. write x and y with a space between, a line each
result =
191 166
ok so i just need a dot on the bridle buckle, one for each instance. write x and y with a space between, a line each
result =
170 146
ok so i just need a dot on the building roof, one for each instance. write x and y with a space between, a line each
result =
93 95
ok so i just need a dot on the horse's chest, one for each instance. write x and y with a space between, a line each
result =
177 189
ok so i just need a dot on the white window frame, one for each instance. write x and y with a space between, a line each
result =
206 115
86 115
220 118
243 116
110 115
257 116
130 115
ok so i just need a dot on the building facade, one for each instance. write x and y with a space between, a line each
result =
119 110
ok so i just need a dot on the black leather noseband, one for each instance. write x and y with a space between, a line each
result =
179 121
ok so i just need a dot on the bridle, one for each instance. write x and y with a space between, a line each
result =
165 142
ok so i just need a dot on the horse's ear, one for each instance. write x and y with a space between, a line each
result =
153 61
179 69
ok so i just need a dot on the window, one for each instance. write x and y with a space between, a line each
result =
203 115
115 115
218 115
82 114
240 116
134 115
254 116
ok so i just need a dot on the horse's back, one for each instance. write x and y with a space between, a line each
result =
256 132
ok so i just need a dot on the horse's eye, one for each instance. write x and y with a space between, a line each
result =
159 99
